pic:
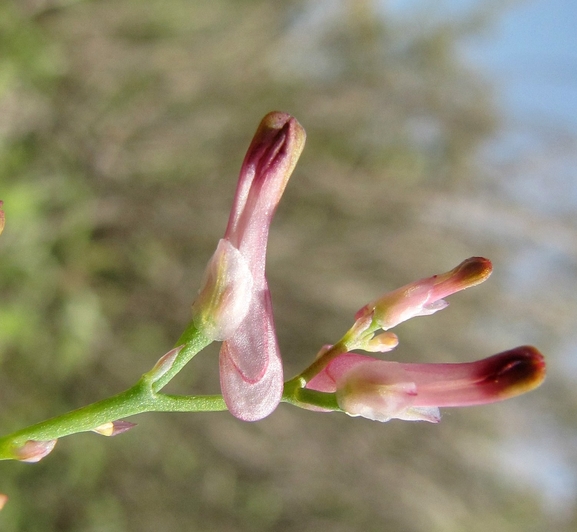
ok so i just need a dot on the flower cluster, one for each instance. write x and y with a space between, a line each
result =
234 306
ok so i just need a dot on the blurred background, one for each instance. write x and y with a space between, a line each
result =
436 131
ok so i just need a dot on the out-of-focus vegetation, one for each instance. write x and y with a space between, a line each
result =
122 128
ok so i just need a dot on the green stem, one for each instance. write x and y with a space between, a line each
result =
295 391
361 330
142 397
136 400
296 395
322 362
194 342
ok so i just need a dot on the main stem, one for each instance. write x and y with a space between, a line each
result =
136 400
144 396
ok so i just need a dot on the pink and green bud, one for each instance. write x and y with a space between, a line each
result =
33 451
251 375
382 390
2 217
164 364
114 428
424 297
380 343
3 500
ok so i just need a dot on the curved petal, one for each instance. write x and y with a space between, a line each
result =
251 375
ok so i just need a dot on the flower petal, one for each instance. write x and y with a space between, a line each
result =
491 379
224 299
251 375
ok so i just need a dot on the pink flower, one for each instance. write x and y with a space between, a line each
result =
234 304
383 390
424 297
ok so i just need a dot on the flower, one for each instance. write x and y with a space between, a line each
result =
382 390
425 296
234 304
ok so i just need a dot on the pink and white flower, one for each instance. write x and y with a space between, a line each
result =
382 390
424 297
234 304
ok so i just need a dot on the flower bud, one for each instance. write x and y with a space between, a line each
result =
381 343
33 451
425 297
114 428
165 363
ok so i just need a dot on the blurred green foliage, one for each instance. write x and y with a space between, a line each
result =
122 128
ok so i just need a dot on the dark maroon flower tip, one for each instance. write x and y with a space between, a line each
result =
513 372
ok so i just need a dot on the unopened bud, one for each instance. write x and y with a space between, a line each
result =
114 428
165 362
425 296
33 451
381 343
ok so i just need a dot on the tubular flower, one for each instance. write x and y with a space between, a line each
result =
382 390
235 304
424 297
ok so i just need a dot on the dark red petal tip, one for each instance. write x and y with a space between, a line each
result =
516 371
